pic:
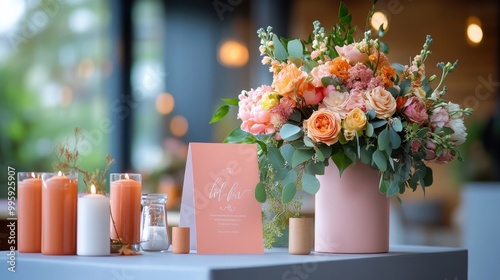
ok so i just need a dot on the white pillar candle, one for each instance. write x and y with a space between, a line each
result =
93 225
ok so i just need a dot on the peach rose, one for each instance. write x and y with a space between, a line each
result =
289 82
323 126
355 120
382 102
318 73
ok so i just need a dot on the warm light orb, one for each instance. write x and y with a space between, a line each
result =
126 176
33 174
92 189
474 31
59 173
233 54
165 103
378 19
179 126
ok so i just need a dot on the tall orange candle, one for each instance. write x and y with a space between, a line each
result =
29 212
59 201
125 196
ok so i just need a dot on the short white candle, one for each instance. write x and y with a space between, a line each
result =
155 238
93 225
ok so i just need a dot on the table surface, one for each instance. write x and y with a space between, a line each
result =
402 262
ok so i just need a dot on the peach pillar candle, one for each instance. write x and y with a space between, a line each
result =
92 238
59 199
300 236
29 212
180 240
125 195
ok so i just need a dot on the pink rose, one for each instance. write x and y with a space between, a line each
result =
313 96
352 54
440 117
318 73
415 110
335 101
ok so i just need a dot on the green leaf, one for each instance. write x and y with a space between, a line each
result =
296 116
288 192
310 183
260 192
326 150
279 50
343 11
383 185
295 48
301 156
309 65
240 136
220 113
380 160
428 177
393 188
290 177
342 161
315 168
393 91
329 81
320 155
369 130
383 139
290 132
231 101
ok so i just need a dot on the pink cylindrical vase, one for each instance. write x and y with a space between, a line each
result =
351 215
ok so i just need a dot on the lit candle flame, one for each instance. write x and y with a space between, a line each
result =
92 189
33 174
126 176
59 173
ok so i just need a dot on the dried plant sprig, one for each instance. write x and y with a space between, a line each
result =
68 161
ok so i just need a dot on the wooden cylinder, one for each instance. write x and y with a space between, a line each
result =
300 238
180 240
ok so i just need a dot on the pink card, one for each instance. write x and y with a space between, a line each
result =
218 202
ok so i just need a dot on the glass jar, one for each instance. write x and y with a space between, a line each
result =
154 234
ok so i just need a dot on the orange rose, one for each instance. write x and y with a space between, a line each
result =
382 102
323 126
339 67
289 82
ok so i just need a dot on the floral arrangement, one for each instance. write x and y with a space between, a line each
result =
336 99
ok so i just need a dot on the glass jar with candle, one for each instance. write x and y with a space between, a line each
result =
154 234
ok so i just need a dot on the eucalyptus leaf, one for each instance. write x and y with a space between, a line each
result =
383 139
380 160
397 125
394 138
260 193
371 114
290 177
287 152
301 156
428 177
310 183
290 132
295 116
315 168
295 48
288 192
308 142
393 188
369 130
378 123
326 150
279 50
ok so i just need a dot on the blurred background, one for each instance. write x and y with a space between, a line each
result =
142 78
